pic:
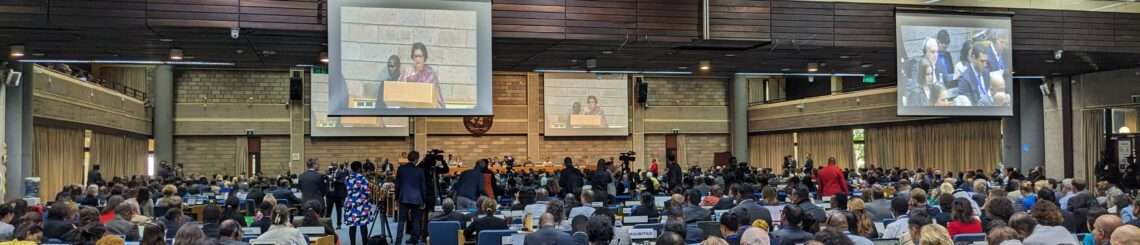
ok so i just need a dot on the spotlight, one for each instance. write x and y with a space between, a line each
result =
813 67
176 54
324 57
16 50
705 65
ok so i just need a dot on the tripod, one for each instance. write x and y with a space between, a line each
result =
381 217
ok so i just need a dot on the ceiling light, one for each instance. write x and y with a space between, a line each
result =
866 65
176 54
38 54
813 67
729 55
324 57
268 52
844 57
607 52
682 68
133 62
705 65
1050 60
785 69
166 40
882 70
16 50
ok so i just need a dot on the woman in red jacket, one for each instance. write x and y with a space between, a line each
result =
962 220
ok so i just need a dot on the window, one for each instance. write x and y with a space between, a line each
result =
150 157
859 147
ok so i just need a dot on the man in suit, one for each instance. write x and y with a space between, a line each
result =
410 186
284 193
230 233
121 224
975 82
313 185
469 186
449 214
748 207
94 177
548 234
571 178
693 211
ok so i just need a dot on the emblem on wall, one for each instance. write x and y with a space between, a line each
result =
478 125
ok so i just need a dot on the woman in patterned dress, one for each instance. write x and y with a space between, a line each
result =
357 208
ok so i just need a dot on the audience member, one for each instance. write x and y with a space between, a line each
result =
837 222
755 236
1126 235
487 207
1049 229
1002 234
58 221
791 231
747 207
601 230
670 238
548 233
835 237
448 213
153 234
859 220
693 211
1103 228
229 233
282 231
6 227
962 218
192 235
934 234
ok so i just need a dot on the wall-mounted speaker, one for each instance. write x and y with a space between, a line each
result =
642 90
12 77
295 91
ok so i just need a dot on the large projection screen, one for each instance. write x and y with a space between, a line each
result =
954 65
321 125
409 58
581 104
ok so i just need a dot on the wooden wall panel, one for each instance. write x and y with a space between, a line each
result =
805 23
864 25
669 20
689 119
858 108
230 119
740 19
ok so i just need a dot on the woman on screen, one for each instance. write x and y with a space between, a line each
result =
422 73
592 108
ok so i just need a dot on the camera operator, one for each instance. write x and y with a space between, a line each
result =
433 165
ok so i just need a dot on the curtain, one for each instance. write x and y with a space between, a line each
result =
118 155
1094 141
241 156
58 159
890 147
824 144
951 146
768 150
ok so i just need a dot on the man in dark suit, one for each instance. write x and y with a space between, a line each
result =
121 224
548 234
313 185
693 211
748 206
449 214
571 178
410 186
469 186
974 83
284 193
94 177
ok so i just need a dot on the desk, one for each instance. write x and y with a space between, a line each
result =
498 169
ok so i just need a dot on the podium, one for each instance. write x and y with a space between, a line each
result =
585 121
410 94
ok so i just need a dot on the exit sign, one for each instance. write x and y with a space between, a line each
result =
869 79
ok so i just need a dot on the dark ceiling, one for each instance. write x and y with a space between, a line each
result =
544 34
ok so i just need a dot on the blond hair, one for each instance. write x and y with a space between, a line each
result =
934 234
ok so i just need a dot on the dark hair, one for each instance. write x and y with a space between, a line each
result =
676 226
1047 213
211 214
579 223
1045 194
567 161
693 196
153 234
557 208
356 165
745 191
832 237
229 228
962 211
730 221
113 202
1000 208
95 167
647 200
794 215
422 48
918 219
173 214
190 234
600 230
900 204
1023 223
1000 234
839 201
58 210
943 36
670 238
414 156
5 209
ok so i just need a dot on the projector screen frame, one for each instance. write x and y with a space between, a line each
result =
483 83
952 19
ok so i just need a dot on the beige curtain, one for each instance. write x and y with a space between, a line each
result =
58 159
890 147
824 144
241 156
768 150
1094 141
118 154
951 146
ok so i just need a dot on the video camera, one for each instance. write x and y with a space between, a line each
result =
435 156
628 156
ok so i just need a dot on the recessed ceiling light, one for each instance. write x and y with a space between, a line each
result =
844 57
729 55
705 65
38 54
176 54
167 40
882 70
607 52
812 67
866 65
16 50
1055 73
324 57
239 51
682 68
1050 60
785 69
188 57
268 52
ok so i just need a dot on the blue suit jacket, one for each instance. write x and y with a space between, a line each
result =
410 185
974 84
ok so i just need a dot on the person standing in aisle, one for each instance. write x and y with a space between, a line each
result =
410 186
357 204
313 185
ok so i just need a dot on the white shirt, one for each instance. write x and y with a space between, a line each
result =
583 210
897 229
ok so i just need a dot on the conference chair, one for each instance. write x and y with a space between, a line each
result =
493 237
969 238
443 232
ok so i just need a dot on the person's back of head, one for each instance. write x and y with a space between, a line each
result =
1047 213
211 214
793 216
1023 223
962 210
189 235
836 221
230 229
676 226
670 238
546 220
58 211
556 208
1104 226
934 234
448 205
1000 234
693 197
153 233
281 215
125 210
730 221
900 205
600 230
579 223
1126 235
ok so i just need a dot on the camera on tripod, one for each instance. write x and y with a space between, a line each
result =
628 156
434 156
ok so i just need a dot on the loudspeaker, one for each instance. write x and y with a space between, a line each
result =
295 91
12 77
642 90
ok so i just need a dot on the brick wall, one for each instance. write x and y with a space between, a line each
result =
205 154
326 150
700 148
509 89
470 149
264 87
275 155
687 92
654 148
587 149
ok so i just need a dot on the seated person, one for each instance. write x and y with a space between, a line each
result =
281 232
487 207
449 214
648 207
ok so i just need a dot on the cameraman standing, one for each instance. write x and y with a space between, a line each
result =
433 165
